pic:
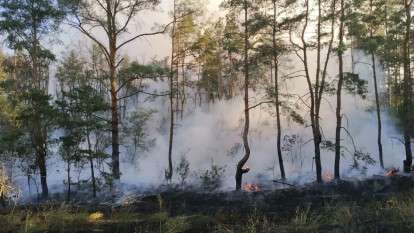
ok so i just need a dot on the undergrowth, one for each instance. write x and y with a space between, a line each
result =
394 214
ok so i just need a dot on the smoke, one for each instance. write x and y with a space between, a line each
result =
211 134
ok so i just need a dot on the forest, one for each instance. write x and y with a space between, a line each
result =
222 116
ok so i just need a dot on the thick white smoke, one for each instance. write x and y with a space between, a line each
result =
212 134
209 134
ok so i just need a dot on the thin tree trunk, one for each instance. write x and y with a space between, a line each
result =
68 178
91 165
279 125
184 97
169 172
277 102
377 102
240 166
339 96
313 92
407 88
177 71
316 126
2 193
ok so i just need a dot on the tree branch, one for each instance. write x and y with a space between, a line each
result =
144 92
144 34
261 103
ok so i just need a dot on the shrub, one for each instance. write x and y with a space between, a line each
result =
183 170
211 179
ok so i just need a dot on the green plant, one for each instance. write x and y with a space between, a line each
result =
211 179
183 170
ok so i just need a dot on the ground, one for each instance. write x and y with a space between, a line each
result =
381 204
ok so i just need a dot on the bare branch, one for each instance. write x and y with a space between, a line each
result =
261 103
143 92
144 34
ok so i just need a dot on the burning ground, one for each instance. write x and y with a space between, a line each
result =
380 204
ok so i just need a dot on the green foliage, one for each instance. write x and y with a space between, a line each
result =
26 119
136 131
183 169
366 24
140 71
81 114
399 111
211 179
232 40
27 22
355 85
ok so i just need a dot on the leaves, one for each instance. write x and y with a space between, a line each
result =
355 85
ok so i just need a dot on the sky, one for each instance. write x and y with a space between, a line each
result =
142 50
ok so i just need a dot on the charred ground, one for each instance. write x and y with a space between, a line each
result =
380 204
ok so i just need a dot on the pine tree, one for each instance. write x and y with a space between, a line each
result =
25 23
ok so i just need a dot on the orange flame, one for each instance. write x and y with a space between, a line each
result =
392 172
252 188
327 177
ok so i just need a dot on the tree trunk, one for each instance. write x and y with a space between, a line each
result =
377 103
240 166
184 82
3 200
91 166
277 102
39 139
316 126
112 56
314 93
317 144
339 96
41 161
279 125
115 124
169 172
407 89
68 178
338 120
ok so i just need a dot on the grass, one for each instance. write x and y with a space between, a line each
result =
394 214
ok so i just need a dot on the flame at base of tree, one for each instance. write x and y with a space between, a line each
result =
252 188
328 177
392 172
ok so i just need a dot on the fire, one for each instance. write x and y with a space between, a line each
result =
392 172
327 177
252 188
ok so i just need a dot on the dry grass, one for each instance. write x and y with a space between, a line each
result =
394 214
8 192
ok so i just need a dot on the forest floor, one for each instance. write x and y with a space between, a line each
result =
380 204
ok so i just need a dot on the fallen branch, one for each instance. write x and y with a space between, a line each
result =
282 182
